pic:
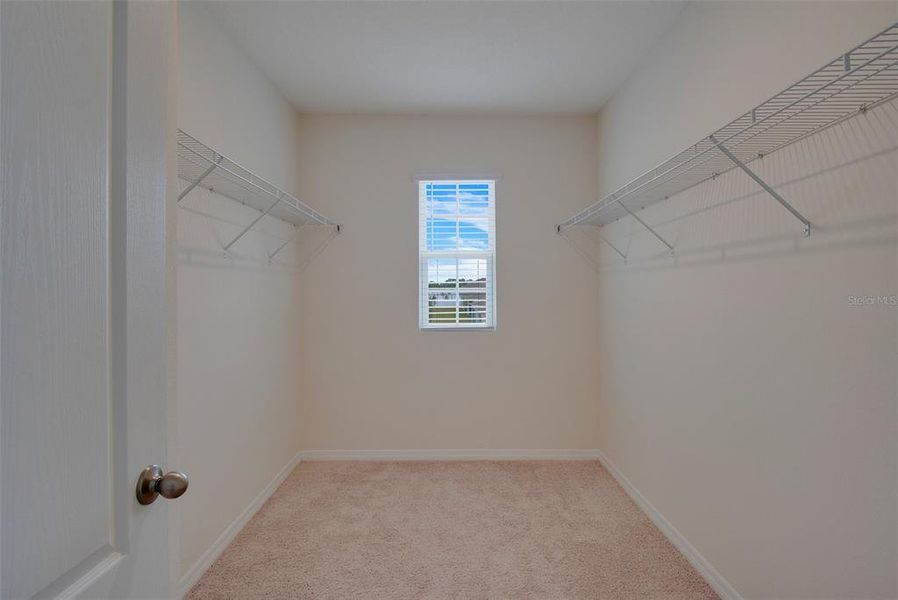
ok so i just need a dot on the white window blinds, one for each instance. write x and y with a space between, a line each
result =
457 254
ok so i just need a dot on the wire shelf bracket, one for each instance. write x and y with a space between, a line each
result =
199 180
278 249
670 247
613 247
602 238
246 229
763 184
201 166
858 80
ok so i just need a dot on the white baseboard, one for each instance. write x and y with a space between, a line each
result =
209 556
701 564
394 455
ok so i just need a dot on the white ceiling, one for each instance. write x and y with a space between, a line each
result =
542 57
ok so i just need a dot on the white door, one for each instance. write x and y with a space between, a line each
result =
84 132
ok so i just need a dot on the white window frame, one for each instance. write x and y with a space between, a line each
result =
424 255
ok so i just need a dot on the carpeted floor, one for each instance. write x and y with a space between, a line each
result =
404 530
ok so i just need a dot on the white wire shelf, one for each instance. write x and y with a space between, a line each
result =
201 166
856 81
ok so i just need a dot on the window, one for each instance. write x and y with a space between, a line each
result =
457 254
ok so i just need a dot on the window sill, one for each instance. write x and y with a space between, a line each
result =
490 328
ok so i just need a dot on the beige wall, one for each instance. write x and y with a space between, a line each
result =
741 393
228 103
237 421
371 379
734 385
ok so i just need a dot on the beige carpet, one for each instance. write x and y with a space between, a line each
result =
398 530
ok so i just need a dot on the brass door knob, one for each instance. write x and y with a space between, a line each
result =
153 483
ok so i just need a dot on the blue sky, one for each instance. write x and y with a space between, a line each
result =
457 219
457 216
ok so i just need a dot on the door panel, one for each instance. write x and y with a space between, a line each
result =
82 249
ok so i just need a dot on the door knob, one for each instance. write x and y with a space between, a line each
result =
153 483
